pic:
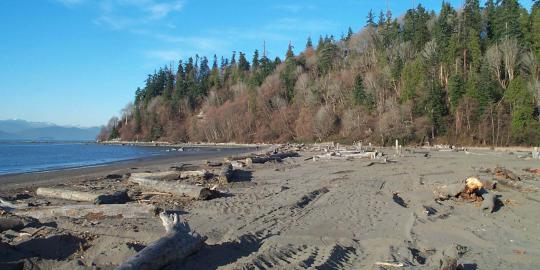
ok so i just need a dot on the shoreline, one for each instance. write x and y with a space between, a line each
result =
73 174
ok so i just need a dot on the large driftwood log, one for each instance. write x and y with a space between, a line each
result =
273 157
225 175
171 175
174 188
97 198
11 223
178 243
97 211
346 155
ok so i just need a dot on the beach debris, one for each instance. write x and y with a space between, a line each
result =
225 175
397 199
277 157
501 173
535 153
89 211
178 243
532 170
118 197
389 264
473 190
347 155
173 187
12 222
213 164
172 175
509 179
113 176
238 164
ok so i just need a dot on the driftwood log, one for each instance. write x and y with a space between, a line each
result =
171 175
174 188
346 155
97 198
225 175
178 243
11 223
278 157
89 210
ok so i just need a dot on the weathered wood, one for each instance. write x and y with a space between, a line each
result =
174 188
278 157
225 175
97 198
346 155
79 211
490 200
11 223
449 191
178 243
171 175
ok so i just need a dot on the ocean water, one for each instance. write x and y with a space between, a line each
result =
21 157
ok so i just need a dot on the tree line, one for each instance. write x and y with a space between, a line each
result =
469 75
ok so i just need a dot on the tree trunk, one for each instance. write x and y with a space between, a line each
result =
178 243
174 188
64 194
90 211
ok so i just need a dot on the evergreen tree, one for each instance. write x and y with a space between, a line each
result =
370 19
456 90
382 19
349 34
290 52
309 43
243 64
255 61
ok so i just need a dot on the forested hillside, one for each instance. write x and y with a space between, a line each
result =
467 75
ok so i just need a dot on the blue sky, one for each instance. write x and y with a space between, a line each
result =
78 62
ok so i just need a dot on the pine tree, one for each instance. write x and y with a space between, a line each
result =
370 19
349 34
243 64
309 43
255 61
290 52
382 19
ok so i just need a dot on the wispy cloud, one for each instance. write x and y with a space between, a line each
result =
123 14
293 8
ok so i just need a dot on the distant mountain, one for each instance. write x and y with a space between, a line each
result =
17 125
24 130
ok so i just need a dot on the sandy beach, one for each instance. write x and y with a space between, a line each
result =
298 214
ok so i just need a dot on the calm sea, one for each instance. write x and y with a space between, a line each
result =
20 157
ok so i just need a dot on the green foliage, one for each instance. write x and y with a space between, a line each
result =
413 78
327 53
288 77
415 27
522 104
370 19
456 90
359 95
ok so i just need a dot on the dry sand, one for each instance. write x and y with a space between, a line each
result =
316 215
